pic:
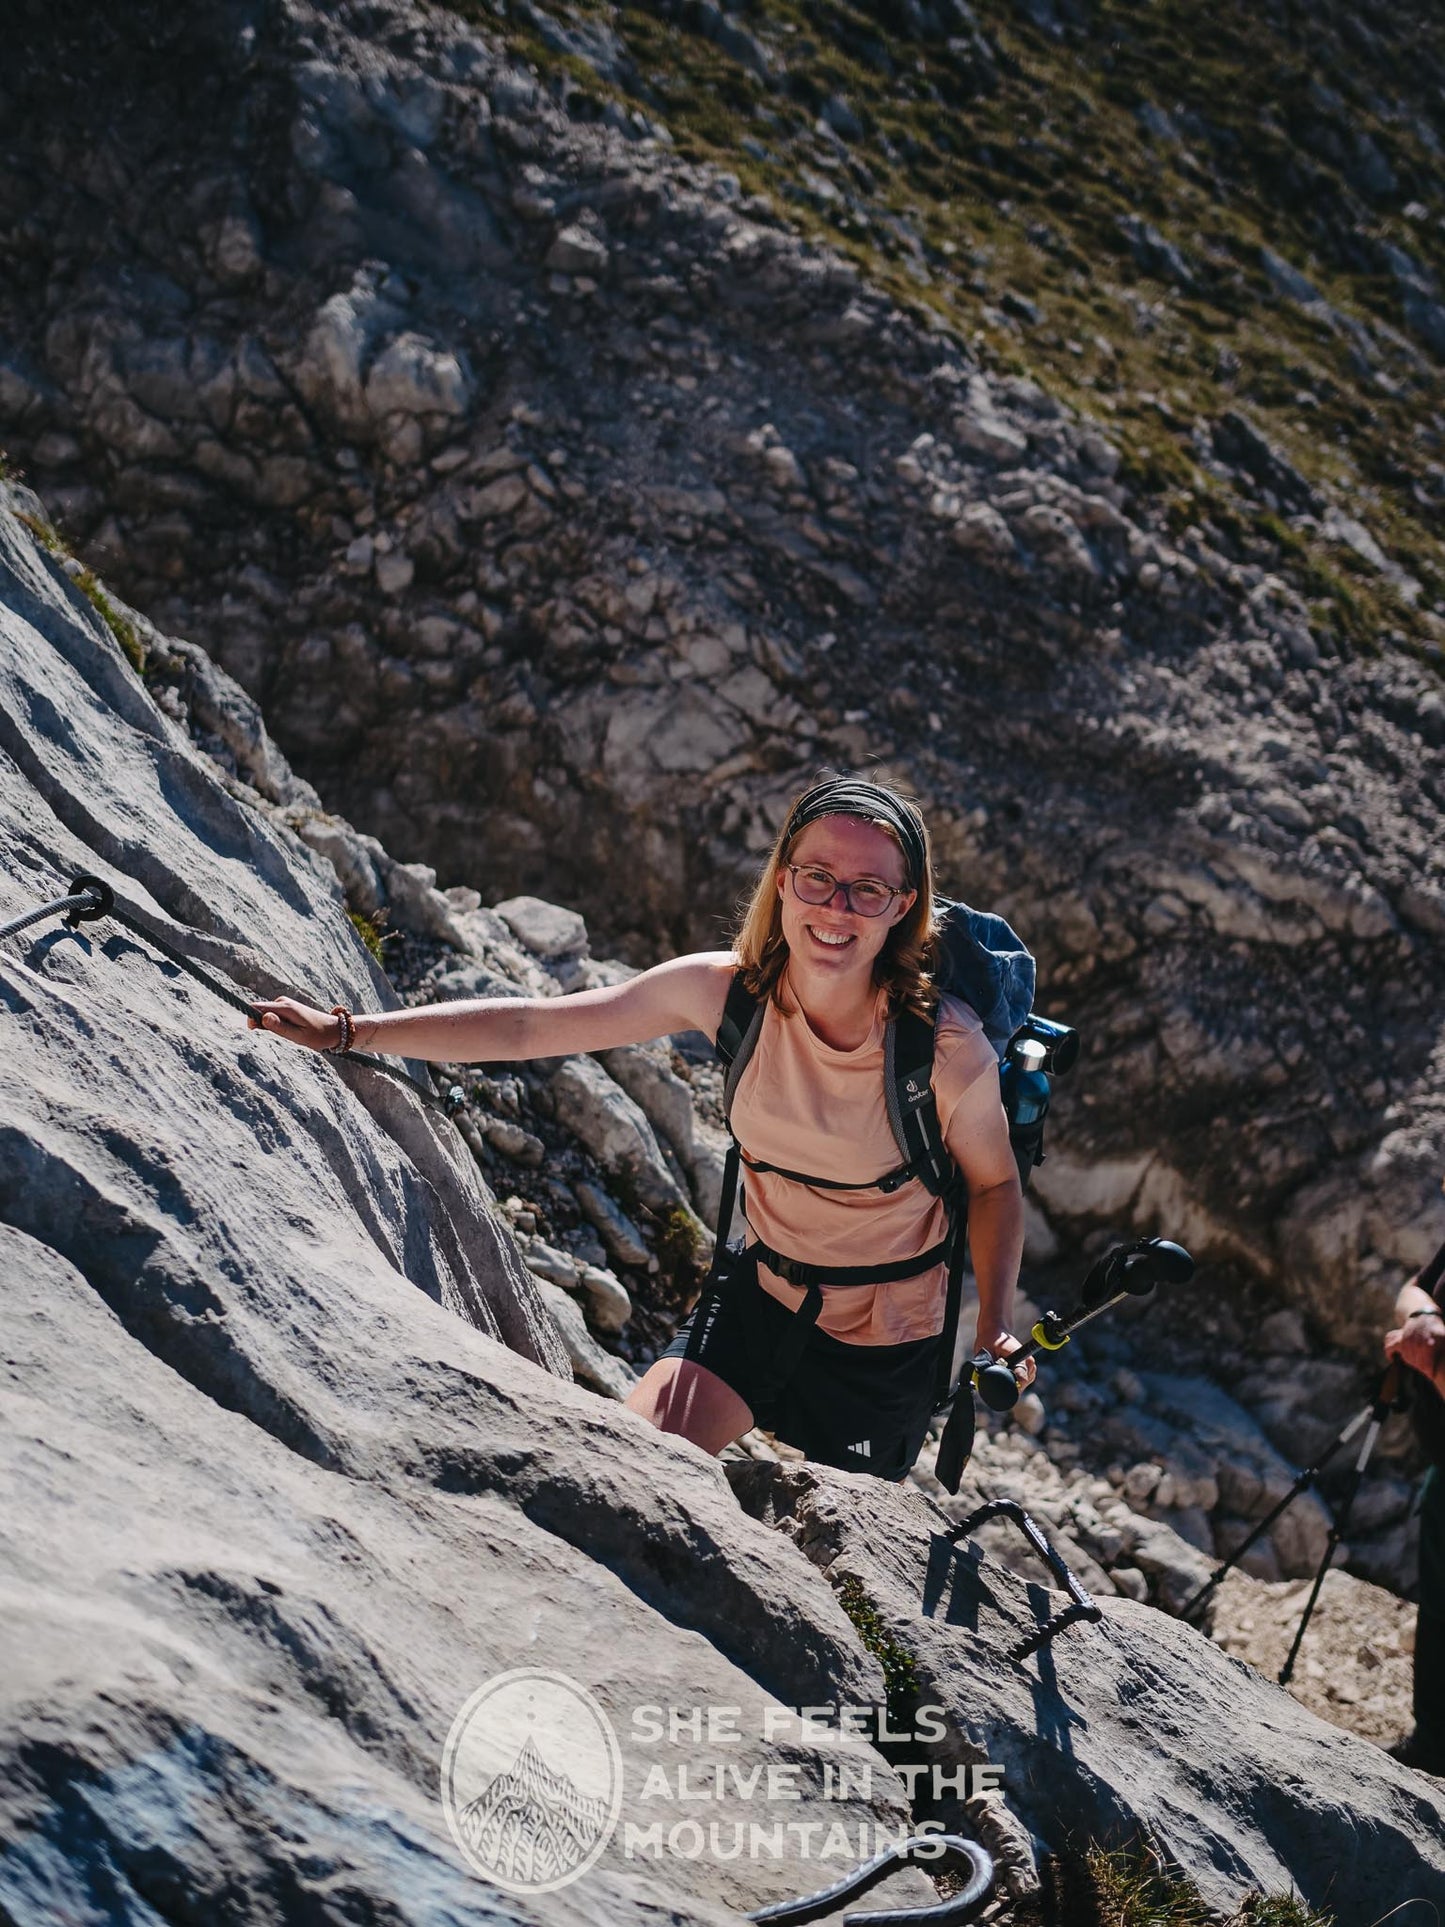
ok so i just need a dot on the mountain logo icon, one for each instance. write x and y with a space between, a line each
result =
531 1780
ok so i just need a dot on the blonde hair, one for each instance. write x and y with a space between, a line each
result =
902 967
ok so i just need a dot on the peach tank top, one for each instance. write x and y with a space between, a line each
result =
808 1107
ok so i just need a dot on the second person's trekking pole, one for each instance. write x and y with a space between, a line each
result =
1387 1399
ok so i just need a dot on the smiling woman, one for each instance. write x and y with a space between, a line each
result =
827 1323
827 1326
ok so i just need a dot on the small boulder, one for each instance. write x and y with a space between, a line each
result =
546 929
411 377
394 573
981 530
577 250
1154 254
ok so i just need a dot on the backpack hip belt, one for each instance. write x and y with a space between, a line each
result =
793 1271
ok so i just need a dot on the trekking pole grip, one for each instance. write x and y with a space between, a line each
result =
997 1386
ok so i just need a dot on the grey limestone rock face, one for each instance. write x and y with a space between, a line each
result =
545 928
616 1130
238 1666
299 1462
214 879
590 1364
296 1459
671 1106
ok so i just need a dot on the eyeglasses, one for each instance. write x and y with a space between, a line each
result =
867 896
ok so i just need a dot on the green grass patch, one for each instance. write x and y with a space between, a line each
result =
1279 1910
1009 165
678 1246
1132 1887
370 933
90 586
900 1670
1135 1887
120 626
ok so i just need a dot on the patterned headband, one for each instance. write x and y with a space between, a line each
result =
849 796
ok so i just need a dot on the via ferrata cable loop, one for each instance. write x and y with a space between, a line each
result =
91 897
959 1907
88 897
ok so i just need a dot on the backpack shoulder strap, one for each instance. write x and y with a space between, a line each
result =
913 1113
912 1108
737 1035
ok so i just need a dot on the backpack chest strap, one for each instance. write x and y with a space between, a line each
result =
890 1182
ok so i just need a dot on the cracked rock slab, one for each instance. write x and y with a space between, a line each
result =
1135 1721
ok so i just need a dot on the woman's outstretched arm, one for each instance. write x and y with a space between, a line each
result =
686 993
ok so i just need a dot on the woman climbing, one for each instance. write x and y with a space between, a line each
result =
835 941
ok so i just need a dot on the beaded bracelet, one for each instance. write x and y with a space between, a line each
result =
348 1032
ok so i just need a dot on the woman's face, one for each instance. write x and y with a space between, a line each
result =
829 937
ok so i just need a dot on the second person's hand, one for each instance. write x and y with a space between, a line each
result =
1420 1342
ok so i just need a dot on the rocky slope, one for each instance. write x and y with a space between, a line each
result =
294 1455
295 1461
564 505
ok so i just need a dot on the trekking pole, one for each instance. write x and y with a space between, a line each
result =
1388 1398
1129 1271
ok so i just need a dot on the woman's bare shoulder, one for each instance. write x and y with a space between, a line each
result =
956 1018
698 984
962 1051
708 966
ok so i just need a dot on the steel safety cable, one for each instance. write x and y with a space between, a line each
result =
91 898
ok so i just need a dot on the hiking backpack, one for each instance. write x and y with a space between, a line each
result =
983 963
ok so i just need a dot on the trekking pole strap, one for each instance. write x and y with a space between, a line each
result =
955 1446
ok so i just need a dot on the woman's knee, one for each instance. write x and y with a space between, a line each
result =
678 1395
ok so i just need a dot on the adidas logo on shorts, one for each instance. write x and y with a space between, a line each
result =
863 1449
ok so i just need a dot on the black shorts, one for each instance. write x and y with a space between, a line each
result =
862 1407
